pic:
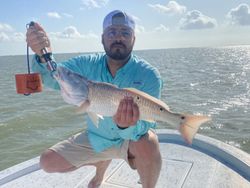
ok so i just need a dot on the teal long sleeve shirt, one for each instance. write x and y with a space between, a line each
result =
136 73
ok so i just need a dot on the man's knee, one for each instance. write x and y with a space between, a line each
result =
149 154
46 161
147 149
50 161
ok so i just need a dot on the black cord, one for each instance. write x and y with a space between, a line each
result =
28 61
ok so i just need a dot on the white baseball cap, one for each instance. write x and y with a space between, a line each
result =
118 17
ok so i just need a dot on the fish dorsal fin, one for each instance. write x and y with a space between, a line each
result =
147 96
105 84
109 84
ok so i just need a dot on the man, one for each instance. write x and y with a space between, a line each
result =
123 136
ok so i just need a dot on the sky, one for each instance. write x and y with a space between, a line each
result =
76 25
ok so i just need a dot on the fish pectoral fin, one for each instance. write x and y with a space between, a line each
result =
150 120
95 118
83 107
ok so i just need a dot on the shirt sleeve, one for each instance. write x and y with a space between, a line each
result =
153 87
75 64
46 75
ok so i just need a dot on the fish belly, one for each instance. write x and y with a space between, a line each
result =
104 100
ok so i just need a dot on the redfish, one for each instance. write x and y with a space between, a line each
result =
100 99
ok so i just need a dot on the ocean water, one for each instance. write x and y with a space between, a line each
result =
212 81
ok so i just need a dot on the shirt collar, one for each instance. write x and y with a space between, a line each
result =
125 67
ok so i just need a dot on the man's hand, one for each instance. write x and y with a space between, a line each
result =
37 39
127 113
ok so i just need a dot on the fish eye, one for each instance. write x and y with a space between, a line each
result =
161 109
138 98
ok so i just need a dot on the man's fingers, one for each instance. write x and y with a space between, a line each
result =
43 42
39 45
124 104
136 113
33 29
34 35
118 113
129 114
37 38
38 27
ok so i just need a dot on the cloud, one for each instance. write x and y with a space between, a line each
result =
196 20
135 18
18 37
239 15
161 28
90 4
71 32
139 29
4 37
5 27
67 15
53 15
7 34
13 37
171 8
58 15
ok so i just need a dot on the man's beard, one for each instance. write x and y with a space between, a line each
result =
118 54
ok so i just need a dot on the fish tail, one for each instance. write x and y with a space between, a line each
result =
191 125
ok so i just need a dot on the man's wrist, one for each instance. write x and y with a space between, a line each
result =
40 59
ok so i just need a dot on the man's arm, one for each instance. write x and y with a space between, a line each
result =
47 78
37 40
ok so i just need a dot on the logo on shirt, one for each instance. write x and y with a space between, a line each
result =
137 82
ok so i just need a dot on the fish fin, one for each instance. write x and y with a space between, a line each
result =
95 118
100 116
107 84
83 107
190 126
147 96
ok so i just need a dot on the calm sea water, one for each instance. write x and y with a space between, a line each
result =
213 81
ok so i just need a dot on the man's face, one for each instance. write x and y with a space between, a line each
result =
118 42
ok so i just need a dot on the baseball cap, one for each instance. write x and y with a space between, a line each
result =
118 17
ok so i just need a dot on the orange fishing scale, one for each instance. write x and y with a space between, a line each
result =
31 82
28 83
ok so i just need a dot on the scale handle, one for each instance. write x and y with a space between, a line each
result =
46 55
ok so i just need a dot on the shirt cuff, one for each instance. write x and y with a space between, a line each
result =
122 128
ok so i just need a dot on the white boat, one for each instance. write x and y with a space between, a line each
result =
205 163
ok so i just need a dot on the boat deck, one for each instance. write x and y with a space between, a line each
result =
207 163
